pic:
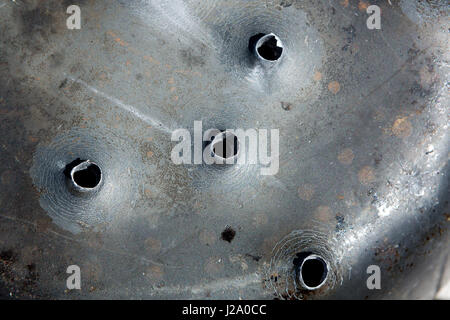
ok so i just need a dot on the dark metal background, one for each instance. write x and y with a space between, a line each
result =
364 148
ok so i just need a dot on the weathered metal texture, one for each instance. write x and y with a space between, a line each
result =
364 147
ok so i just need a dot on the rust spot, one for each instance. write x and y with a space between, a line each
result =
33 139
402 127
149 154
317 76
155 273
207 237
306 192
214 265
148 193
362 6
346 156
334 87
323 213
344 3
366 175
260 220
153 245
117 39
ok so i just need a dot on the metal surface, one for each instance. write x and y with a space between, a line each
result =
364 147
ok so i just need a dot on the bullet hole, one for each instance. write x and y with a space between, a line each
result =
88 177
228 234
84 173
225 145
311 270
266 46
